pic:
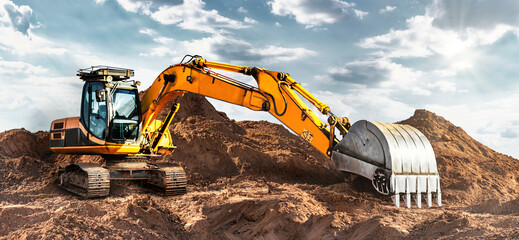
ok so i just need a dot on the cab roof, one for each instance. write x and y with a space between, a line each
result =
104 73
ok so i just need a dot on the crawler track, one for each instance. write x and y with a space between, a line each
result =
168 180
85 179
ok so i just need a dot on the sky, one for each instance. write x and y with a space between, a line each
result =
375 60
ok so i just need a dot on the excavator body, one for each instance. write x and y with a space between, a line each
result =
124 129
109 125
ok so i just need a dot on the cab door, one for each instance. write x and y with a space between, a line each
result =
94 112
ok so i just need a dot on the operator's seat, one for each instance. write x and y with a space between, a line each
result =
98 122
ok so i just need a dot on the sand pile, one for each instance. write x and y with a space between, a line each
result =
256 180
210 146
20 142
21 159
470 171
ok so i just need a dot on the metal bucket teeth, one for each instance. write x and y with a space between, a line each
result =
418 199
397 155
416 185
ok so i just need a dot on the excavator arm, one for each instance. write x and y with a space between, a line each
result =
398 159
276 93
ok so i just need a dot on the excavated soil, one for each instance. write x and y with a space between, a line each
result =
256 180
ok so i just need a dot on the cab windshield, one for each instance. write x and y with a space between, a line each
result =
125 115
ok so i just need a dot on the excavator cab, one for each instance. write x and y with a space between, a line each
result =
110 113
110 107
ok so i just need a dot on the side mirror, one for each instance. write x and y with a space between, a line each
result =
100 95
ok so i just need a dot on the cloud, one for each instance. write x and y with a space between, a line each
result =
272 54
250 20
509 133
156 37
18 43
136 6
159 52
441 55
16 36
481 14
147 31
498 117
25 99
360 14
443 85
10 103
385 73
189 14
376 104
428 35
186 14
164 40
420 39
311 13
17 17
17 68
387 9
242 10
221 47
379 72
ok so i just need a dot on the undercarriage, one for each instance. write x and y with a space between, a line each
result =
91 180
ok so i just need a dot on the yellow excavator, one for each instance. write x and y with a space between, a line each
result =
116 124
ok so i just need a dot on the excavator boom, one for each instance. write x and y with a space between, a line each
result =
272 95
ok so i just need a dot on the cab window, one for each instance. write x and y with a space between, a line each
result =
125 115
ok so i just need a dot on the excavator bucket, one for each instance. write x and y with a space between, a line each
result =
397 158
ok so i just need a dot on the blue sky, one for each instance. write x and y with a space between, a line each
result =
375 60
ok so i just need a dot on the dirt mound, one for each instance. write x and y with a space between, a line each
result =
138 217
209 149
22 160
195 105
470 172
20 142
210 146
256 180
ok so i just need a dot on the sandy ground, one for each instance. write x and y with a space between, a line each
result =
256 180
